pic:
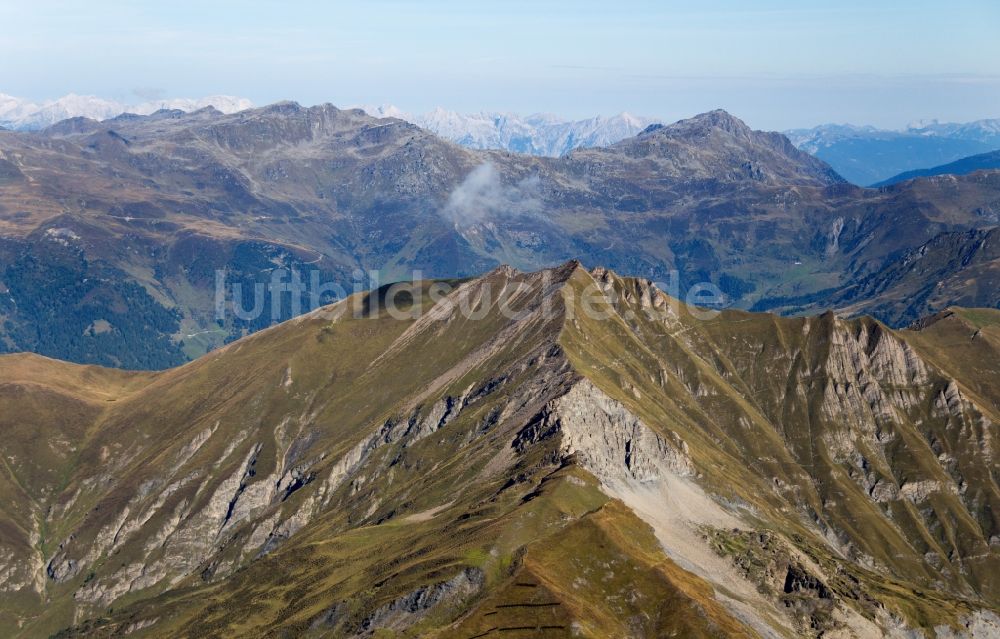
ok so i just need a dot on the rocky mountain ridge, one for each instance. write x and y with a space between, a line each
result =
768 476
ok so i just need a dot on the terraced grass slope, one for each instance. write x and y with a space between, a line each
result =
563 453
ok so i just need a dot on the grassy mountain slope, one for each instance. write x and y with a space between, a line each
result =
602 464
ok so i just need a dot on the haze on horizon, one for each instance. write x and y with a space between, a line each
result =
777 65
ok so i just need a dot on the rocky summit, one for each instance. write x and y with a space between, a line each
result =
560 453
113 233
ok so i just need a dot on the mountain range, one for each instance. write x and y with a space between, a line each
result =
862 154
868 155
538 134
27 115
112 233
562 453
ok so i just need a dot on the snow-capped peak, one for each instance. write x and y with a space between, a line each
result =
386 111
17 113
917 125
537 134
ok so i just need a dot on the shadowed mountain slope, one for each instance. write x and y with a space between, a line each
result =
981 162
565 452
953 268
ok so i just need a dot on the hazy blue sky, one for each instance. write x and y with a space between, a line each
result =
777 64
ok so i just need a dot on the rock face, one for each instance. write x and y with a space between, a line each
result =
112 233
563 449
606 438
402 613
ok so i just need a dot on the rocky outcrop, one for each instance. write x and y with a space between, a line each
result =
871 376
605 438
405 611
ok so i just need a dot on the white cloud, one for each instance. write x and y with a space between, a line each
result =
482 196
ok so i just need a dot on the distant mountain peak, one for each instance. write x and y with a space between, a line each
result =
209 110
718 146
718 119
282 107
